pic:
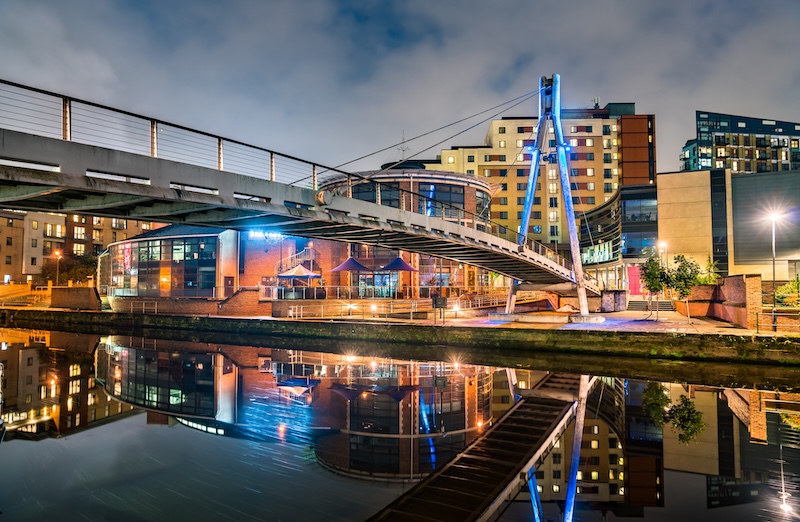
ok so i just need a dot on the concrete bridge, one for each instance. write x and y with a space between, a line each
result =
58 154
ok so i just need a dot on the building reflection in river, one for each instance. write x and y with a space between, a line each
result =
368 416
390 419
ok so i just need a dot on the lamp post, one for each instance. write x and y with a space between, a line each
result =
662 247
774 217
58 264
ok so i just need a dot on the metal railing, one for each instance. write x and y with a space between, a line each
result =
44 113
774 321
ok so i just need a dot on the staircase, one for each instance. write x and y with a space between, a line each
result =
287 263
642 306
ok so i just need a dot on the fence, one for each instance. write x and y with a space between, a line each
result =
774 321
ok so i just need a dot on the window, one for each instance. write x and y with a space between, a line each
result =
9 241
595 475
537 229
590 186
606 157
33 261
607 188
590 172
537 214
556 458
504 186
503 201
590 200
34 225
556 488
553 203
554 230
606 130
34 243
556 474
502 157
471 171
573 156
78 249
573 172
595 430
8 260
553 188
595 444
576 200
501 130
97 221
520 144
74 386
580 475
522 173
487 157
522 186
97 235
470 159
502 144
590 156
553 215
606 173
451 159
74 370
503 215
79 233
589 142
503 173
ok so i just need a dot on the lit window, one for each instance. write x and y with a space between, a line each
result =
595 475
78 249
75 386
74 370
595 430
573 142
590 172
539 488
553 188
611 474
589 142
520 143
556 488
580 475
451 159
553 216
502 144
595 444
590 186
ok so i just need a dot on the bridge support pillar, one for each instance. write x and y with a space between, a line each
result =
577 442
536 502
512 298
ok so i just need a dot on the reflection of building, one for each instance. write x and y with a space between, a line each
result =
50 387
369 416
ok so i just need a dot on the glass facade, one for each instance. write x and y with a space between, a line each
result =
164 267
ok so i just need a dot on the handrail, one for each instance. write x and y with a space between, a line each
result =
24 109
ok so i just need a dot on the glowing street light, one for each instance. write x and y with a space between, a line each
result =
662 247
775 218
58 263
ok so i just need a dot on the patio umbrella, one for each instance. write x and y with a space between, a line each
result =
399 265
351 265
299 272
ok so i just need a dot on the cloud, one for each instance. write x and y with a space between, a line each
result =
331 80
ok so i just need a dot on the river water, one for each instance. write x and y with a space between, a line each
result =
131 428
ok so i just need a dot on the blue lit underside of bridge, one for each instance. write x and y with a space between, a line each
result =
51 175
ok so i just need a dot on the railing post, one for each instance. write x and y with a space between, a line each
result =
220 164
153 139
314 183
377 193
272 166
66 119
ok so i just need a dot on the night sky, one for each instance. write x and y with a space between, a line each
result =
330 81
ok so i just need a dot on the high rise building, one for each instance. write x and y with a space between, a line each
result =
742 144
610 147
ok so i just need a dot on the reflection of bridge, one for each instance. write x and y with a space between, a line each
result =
63 155
492 470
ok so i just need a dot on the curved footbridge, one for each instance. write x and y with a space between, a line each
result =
475 485
39 173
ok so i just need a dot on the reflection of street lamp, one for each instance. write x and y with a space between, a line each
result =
785 507
58 264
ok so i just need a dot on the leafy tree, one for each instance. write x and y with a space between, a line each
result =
683 277
70 268
711 274
655 402
789 294
686 420
683 416
655 277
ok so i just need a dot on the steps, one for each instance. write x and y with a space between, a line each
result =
642 306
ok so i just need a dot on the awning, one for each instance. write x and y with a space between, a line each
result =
299 272
351 265
398 264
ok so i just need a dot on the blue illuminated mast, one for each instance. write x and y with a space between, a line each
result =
550 111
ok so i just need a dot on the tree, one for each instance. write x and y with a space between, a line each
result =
711 272
686 420
683 416
655 277
70 268
789 294
685 276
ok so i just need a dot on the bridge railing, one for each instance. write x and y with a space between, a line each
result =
44 113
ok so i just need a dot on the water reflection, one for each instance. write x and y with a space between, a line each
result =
386 419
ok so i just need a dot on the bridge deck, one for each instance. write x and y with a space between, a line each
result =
473 485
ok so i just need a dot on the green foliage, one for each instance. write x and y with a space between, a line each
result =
684 276
788 294
655 402
70 268
683 416
654 274
711 275
686 420
791 419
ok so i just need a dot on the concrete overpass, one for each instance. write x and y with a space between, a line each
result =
94 160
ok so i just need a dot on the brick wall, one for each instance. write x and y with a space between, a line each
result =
734 299
75 298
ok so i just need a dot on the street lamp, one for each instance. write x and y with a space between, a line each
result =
58 263
662 247
774 217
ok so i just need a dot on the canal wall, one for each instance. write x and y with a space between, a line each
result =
769 350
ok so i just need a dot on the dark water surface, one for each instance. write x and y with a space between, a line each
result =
126 428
